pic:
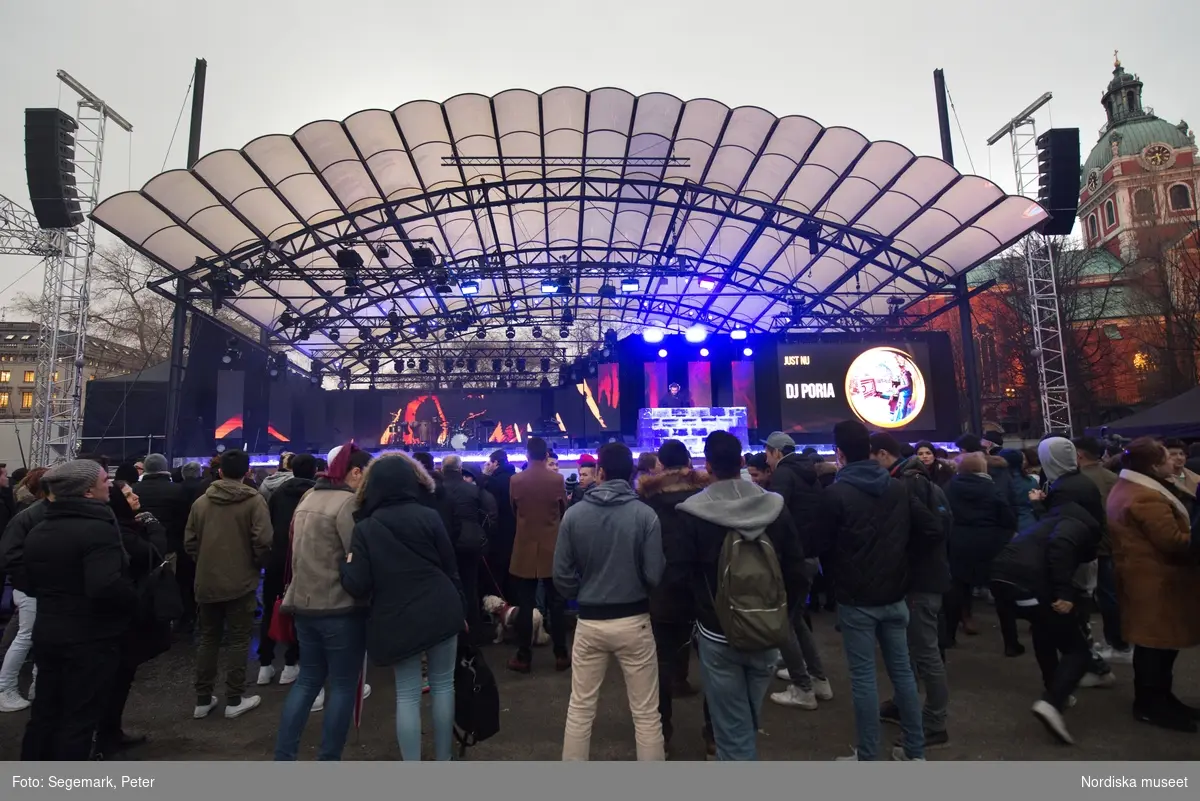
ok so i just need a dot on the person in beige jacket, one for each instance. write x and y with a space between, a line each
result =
330 624
228 534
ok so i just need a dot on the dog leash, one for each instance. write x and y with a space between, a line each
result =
499 587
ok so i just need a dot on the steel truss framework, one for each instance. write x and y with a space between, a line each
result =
735 219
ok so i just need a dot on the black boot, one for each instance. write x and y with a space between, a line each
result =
1164 715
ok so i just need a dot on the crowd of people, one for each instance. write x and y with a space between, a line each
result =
352 558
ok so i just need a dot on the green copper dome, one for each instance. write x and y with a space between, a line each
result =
1135 136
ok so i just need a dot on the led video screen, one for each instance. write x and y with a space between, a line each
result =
455 419
231 402
889 387
592 406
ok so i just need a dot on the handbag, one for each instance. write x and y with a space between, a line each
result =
283 625
159 599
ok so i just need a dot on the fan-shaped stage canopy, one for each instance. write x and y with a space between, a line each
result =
611 210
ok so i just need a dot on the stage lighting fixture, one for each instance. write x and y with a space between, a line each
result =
521 365
317 367
607 291
398 366
382 252
365 334
747 352
496 365
696 334
564 332
630 285
349 262
737 334
704 353
568 317
537 332
422 331
345 375
460 364
662 353
450 334
549 286
423 365
448 364
469 287
545 365
276 365
610 338
564 284
422 258
653 335
372 366
510 333
335 334
286 320
395 321
810 230
441 283
508 363
708 283
231 351
481 333
471 365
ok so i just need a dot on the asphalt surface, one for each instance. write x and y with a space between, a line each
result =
989 714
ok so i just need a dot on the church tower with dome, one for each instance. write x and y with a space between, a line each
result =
1142 174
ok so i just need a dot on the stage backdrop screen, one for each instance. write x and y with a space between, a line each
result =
468 418
886 386
656 384
700 383
231 404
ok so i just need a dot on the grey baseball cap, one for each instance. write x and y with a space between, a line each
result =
779 440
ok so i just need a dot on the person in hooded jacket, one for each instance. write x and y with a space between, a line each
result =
228 533
609 558
984 522
1036 571
1019 487
469 513
281 476
75 566
874 523
735 682
331 626
144 539
1090 454
29 491
672 616
282 501
402 561
496 479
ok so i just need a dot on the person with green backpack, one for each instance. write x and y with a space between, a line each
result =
742 558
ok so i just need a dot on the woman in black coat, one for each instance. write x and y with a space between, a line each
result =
984 522
145 541
402 559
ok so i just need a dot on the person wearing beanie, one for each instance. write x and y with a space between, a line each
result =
331 627
228 533
586 479
170 504
75 566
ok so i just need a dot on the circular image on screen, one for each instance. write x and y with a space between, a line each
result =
885 388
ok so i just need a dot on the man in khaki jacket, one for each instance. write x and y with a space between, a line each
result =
228 534
539 498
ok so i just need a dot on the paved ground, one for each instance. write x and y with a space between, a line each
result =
989 717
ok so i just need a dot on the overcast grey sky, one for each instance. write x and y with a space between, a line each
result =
275 65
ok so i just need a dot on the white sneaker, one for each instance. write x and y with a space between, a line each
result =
1053 721
898 755
290 674
822 689
265 674
11 701
319 704
366 691
1111 655
248 702
32 687
783 674
795 697
202 710
1100 681
852 758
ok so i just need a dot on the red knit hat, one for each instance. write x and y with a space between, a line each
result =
587 460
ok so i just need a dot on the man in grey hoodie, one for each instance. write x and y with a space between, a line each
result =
608 557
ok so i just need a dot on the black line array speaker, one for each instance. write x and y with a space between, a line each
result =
1058 179
50 167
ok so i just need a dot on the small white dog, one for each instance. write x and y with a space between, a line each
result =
506 620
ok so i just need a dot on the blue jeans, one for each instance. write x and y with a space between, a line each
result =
331 648
408 701
735 684
862 626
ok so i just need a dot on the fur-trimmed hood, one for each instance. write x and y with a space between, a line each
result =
680 479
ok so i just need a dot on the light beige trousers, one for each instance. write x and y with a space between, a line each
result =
631 641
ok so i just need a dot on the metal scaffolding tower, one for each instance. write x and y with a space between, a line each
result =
1043 286
58 391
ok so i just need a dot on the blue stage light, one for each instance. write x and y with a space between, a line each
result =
469 287
737 334
549 287
696 334
629 285
662 353
747 352
653 335
704 353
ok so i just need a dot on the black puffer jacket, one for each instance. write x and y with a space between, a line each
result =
77 568
1077 488
170 504
871 522
671 600
796 479
468 511
282 504
984 522
1042 560
12 545
506 521
402 560
930 567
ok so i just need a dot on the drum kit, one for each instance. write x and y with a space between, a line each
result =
430 432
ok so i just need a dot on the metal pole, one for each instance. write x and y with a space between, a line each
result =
179 318
962 290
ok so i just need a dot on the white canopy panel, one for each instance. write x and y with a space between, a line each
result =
724 217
